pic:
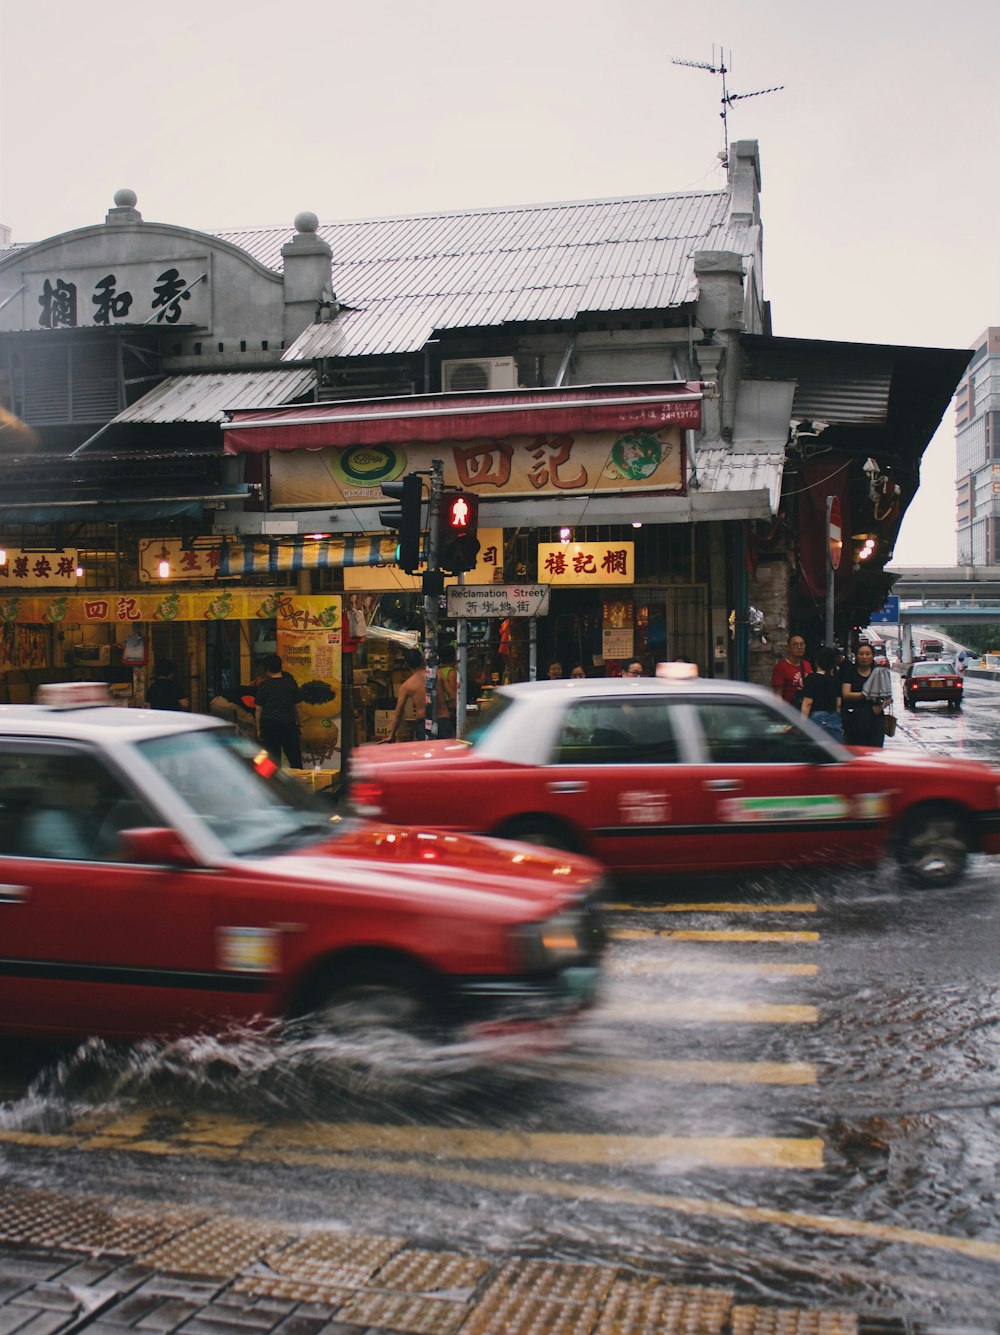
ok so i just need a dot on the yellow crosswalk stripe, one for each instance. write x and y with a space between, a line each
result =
707 934
711 908
693 1072
702 1011
626 967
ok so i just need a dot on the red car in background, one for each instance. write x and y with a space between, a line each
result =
933 680
653 777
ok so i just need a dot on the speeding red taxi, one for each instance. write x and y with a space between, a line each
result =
653 776
159 874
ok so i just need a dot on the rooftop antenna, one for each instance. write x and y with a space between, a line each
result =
727 98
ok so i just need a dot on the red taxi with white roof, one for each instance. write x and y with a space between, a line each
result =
653 777
158 874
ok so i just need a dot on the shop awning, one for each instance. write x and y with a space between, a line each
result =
442 417
88 510
285 556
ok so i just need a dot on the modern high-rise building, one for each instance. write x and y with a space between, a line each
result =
977 454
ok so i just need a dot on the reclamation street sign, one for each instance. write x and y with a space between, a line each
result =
498 600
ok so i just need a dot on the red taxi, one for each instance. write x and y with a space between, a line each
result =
932 680
652 776
158 874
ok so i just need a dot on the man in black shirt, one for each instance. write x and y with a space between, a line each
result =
164 693
278 713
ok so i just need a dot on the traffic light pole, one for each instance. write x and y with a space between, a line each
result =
432 593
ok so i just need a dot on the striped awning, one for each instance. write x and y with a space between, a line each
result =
258 556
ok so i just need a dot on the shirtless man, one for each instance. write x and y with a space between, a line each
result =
414 689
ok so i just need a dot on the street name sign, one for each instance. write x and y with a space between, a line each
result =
498 600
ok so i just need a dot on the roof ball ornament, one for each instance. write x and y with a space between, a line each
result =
306 222
126 199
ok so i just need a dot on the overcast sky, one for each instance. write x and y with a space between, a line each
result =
879 157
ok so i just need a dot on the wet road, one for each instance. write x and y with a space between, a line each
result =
791 1086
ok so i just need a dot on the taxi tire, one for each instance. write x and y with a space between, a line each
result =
542 831
380 998
933 844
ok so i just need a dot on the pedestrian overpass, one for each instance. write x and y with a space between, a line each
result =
945 595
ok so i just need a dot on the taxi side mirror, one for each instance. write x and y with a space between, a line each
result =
156 847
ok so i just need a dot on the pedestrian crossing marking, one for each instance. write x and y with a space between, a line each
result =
692 1072
701 1011
547 1147
711 908
627 967
707 934
219 1136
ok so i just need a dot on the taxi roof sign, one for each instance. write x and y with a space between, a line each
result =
73 694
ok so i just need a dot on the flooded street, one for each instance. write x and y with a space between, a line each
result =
790 1088
813 1106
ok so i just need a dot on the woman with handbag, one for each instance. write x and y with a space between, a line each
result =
866 691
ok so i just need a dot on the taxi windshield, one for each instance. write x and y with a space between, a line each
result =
247 802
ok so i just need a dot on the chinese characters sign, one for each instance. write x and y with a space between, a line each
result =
166 292
553 464
124 608
586 563
25 569
309 642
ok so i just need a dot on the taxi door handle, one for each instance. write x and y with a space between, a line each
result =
722 785
568 786
13 894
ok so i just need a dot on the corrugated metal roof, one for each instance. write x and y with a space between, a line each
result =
403 278
208 397
744 471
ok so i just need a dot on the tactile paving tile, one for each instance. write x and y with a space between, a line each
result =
575 1281
515 1312
642 1307
792 1321
219 1247
93 1225
418 1271
325 1260
403 1311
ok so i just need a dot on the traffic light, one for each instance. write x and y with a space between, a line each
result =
459 544
409 491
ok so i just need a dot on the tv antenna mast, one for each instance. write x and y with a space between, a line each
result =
727 98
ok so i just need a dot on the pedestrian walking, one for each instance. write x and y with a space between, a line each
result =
866 691
821 694
791 671
277 713
412 693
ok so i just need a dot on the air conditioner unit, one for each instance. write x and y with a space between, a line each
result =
471 374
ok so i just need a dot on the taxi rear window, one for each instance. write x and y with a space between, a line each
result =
480 724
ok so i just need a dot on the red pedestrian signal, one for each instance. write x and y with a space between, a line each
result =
459 543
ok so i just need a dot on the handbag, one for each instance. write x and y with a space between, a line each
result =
889 724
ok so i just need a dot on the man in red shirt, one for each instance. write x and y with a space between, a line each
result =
791 671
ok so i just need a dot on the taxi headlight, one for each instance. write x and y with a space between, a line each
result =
553 942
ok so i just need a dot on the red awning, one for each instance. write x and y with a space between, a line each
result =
440 417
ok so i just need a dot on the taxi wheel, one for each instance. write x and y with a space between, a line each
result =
542 831
381 999
933 845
